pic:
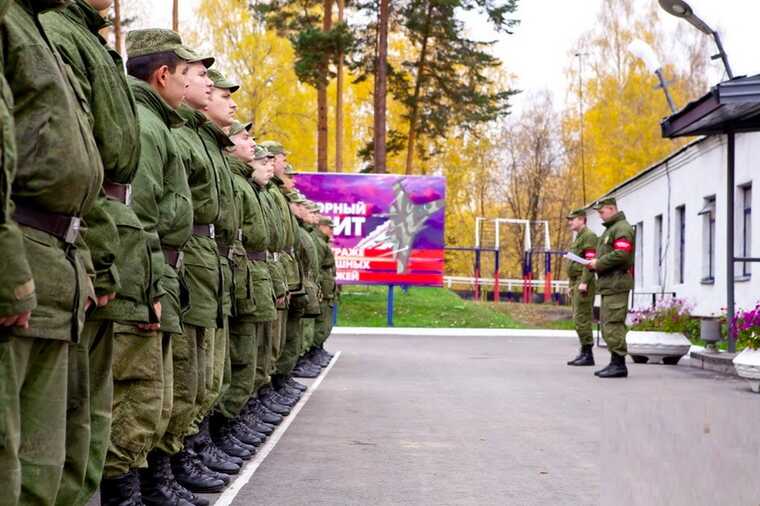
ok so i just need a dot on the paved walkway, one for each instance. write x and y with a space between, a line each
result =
502 421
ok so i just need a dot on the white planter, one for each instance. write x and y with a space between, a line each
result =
747 365
657 347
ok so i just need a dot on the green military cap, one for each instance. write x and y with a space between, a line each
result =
604 201
578 213
238 127
274 147
324 220
261 153
289 170
296 197
157 40
222 82
312 206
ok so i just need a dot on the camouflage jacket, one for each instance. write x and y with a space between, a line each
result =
615 256
327 274
584 246
51 124
276 227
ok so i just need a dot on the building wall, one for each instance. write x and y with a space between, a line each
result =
686 179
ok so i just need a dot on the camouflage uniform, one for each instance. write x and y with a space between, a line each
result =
324 323
584 246
121 249
48 271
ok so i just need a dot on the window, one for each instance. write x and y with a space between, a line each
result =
658 253
681 244
708 240
745 233
639 261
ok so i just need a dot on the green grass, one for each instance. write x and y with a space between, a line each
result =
363 306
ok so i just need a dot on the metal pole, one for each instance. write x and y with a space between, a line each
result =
389 307
335 315
730 197
722 54
580 96
496 274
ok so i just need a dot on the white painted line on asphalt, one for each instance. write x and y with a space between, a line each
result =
234 489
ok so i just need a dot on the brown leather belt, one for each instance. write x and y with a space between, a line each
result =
173 257
224 251
64 227
257 256
204 230
118 192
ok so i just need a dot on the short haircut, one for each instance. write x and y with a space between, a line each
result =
143 67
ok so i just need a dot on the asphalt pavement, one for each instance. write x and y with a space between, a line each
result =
458 420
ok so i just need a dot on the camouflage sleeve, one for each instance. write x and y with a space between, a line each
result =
621 256
102 239
16 284
588 252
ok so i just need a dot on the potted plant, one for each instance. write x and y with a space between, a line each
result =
709 331
658 334
746 328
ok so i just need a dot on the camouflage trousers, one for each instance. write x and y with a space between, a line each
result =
88 413
614 330
583 313
323 324
244 352
264 356
188 375
33 378
142 396
216 355
308 335
279 333
293 342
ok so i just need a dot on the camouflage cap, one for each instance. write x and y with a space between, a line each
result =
261 154
157 40
289 170
312 206
238 127
296 197
222 82
328 222
578 213
604 201
274 147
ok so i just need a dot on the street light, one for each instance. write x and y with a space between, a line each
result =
681 9
644 52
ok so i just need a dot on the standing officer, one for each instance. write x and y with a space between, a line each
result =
45 284
614 270
116 239
582 286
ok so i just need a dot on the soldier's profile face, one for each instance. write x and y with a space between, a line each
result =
199 86
576 223
221 109
174 84
607 212
243 148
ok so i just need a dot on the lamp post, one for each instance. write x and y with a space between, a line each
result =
645 53
681 9
580 96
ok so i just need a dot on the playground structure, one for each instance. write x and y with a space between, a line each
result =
488 240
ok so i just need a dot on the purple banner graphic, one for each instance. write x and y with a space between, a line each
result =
389 229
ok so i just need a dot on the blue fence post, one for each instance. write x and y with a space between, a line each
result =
389 307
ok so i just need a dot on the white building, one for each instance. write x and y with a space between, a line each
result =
678 209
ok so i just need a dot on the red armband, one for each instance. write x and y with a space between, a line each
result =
590 253
623 244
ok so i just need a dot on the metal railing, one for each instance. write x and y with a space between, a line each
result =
504 284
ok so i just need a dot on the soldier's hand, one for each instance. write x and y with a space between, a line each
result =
17 320
152 326
592 265
583 288
103 300
281 301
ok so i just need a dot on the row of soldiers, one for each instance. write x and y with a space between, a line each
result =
163 281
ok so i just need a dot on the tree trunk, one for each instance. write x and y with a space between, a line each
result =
339 102
118 39
322 95
175 16
381 87
412 136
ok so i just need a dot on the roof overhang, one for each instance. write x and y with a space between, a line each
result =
731 106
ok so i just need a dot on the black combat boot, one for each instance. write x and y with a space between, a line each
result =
121 491
294 384
188 496
316 356
585 357
221 434
616 369
245 433
271 404
252 420
192 476
264 414
211 456
304 371
157 482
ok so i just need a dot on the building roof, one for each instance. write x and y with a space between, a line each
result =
730 106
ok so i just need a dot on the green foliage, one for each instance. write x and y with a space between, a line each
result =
671 315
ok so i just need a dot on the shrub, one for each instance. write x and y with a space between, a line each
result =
746 328
668 315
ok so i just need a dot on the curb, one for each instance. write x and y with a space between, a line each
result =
454 332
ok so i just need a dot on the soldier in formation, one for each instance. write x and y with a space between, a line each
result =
168 281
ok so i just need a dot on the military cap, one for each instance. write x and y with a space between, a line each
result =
296 197
324 220
274 147
238 127
604 201
222 82
157 40
261 153
289 170
578 213
312 206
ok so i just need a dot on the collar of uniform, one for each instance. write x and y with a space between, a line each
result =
147 95
39 6
216 132
277 181
239 167
193 117
82 12
618 217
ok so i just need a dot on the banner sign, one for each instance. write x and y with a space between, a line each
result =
389 229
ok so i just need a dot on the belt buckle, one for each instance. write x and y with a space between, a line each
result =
128 195
211 231
72 233
240 234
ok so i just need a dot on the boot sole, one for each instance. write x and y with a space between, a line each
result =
203 490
